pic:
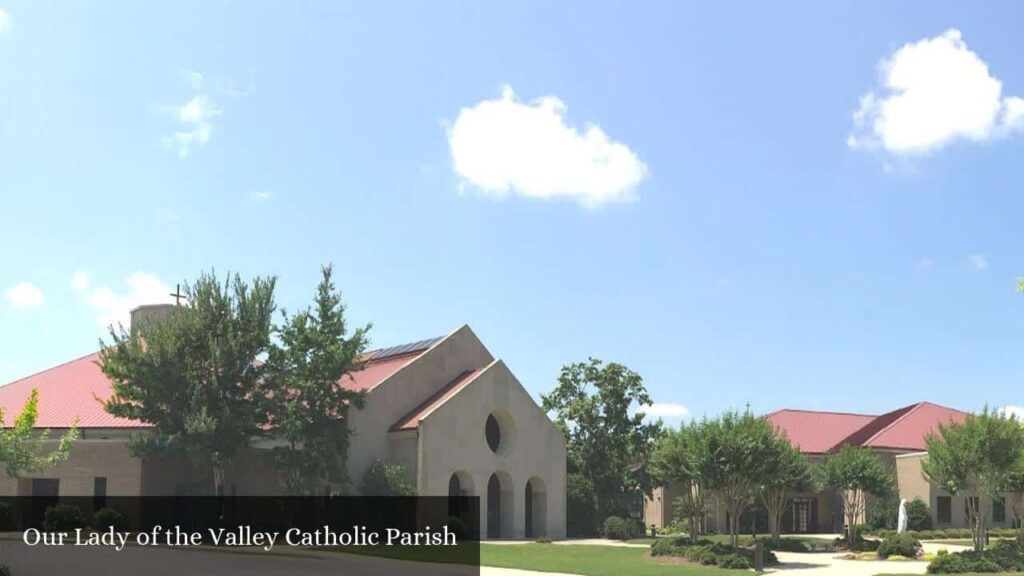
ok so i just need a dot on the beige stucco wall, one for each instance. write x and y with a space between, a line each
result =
405 390
87 459
452 439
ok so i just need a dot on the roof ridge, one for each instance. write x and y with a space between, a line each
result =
906 411
805 411
50 369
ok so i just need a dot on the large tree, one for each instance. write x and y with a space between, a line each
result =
788 473
23 449
682 457
307 405
737 444
600 408
977 458
856 473
193 376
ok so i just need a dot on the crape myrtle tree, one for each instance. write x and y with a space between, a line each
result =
682 456
977 458
600 409
737 444
856 473
306 404
1015 487
23 450
788 473
193 376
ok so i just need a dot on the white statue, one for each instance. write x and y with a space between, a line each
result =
901 527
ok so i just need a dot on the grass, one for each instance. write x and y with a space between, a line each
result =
576 559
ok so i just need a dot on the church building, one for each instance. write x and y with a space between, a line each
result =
453 415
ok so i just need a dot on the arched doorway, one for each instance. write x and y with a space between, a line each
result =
459 484
499 505
535 501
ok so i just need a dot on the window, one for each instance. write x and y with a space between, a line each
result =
99 492
493 431
999 509
944 504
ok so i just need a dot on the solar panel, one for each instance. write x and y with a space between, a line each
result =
403 348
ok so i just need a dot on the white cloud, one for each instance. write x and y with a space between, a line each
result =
933 92
196 119
193 78
5 22
665 410
113 307
506 146
979 261
80 281
23 296
1017 411
261 195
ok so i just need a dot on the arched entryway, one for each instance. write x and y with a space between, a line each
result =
499 505
535 502
459 484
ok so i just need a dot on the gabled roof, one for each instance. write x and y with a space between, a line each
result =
903 429
909 428
77 389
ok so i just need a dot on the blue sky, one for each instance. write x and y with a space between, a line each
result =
699 191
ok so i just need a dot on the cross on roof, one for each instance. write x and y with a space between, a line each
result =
178 296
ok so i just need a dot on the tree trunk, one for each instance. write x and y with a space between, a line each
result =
773 526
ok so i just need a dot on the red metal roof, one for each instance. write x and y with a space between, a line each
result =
903 429
77 389
73 389
817 432
412 420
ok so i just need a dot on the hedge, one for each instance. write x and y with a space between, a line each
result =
1003 556
946 534
710 553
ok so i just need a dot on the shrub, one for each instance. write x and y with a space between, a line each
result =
734 561
384 478
1004 556
709 553
918 516
457 527
581 506
107 517
63 518
617 528
899 545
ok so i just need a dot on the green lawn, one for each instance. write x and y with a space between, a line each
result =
575 559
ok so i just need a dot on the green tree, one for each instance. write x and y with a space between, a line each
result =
600 408
682 457
855 472
977 458
737 443
306 404
384 478
193 376
1015 486
23 450
788 473
580 506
